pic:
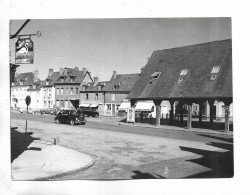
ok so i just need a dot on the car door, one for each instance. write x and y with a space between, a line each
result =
60 116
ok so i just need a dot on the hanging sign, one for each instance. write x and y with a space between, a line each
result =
24 51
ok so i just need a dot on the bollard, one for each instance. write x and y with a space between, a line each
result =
56 140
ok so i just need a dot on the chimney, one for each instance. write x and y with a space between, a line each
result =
114 74
36 73
50 72
84 71
61 70
96 79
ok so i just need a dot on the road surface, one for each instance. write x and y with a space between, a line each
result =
127 152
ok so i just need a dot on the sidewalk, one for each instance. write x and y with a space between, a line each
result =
116 121
34 159
175 128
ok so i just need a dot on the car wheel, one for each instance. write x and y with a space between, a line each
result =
72 122
57 121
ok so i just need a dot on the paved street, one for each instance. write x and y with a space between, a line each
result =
126 152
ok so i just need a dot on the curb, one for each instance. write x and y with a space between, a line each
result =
53 177
181 129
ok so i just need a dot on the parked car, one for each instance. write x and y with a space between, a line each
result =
48 111
70 116
24 110
88 112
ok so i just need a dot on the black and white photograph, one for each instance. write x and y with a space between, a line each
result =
121 99
124 97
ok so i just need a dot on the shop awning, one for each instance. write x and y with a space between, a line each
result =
94 105
84 105
124 106
144 106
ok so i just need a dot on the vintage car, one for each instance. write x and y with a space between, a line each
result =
48 111
88 112
70 116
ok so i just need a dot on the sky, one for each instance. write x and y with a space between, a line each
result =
105 45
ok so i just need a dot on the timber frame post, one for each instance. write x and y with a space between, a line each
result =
171 118
158 111
189 115
211 104
227 113
200 110
181 103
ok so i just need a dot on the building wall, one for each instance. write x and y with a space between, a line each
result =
48 96
112 103
65 93
91 97
20 94
36 99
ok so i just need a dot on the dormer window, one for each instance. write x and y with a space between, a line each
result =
153 77
99 87
180 80
215 70
21 82
184 72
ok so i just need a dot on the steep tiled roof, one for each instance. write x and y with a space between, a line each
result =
199 61
53 78
38 86
124 81
93 87
26 79
72 73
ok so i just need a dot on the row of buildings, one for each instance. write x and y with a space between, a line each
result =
71 88
196 77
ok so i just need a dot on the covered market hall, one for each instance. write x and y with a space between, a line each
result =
197 74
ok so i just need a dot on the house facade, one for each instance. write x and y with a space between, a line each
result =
117 90
26 84
92 95
67 86
108 95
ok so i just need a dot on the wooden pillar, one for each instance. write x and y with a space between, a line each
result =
200 111
158 111
227 114
181 111
189 115
171 117
211 104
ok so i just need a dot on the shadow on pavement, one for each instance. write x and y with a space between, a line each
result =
20 143
141 175
221 163
229 139
217 125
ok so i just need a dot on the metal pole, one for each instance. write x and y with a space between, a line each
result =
26 121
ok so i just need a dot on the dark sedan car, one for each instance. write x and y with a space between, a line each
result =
88 112
70 116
